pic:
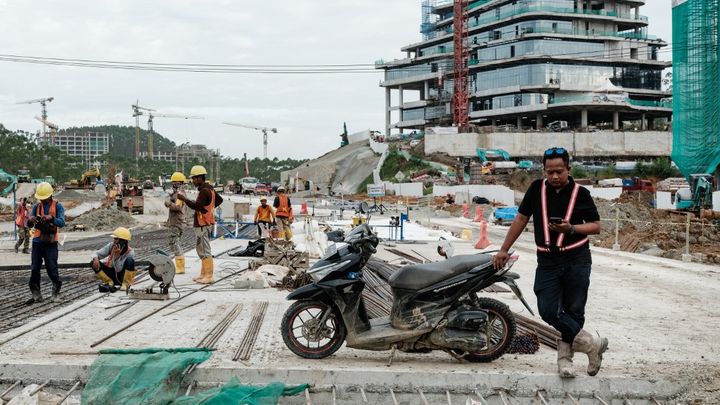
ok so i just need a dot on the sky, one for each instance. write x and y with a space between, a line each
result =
307 110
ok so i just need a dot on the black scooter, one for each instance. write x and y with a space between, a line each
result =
435 306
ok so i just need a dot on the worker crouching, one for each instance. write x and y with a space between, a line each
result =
114 263
203 222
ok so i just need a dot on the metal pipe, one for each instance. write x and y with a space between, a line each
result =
41 386
67 394
121 310
185 307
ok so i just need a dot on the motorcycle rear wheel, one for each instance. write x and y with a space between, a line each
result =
503 325
303 334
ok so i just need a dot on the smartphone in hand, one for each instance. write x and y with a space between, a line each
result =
556 220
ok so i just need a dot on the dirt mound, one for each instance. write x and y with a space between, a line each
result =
103 219
643 229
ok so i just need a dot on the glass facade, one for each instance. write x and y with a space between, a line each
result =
542 47
418 70
577 77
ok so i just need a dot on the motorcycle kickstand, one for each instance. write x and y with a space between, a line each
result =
392 355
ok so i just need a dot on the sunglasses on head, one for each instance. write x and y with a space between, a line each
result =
556 152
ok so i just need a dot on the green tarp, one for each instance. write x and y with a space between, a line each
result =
153 377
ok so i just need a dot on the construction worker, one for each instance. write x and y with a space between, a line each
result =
283 212
203 221
23 231
564 214
46 217
176 220
114 263
264 217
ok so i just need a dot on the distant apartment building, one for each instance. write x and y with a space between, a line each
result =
159 155
87 146
532 62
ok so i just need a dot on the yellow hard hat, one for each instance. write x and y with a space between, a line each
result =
197 171
43 191
179 177
122 233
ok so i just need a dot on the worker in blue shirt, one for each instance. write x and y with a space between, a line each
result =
46 217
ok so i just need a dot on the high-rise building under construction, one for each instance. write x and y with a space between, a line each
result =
588 63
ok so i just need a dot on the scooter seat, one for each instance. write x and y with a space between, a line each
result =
418 276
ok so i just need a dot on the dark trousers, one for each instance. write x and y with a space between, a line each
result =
117 277
561 297
47 252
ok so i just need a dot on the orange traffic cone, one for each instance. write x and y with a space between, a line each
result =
466 211
483 241
479 217
303 208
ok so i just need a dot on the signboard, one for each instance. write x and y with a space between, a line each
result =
400 176
376 190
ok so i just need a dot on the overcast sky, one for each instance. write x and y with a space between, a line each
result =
308 110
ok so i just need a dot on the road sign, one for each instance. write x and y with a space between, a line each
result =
376 190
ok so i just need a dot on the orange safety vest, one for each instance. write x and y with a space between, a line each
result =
40 212
22 216
284 209
263 213
548 248
208 218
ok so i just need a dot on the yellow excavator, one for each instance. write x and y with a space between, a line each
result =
88 179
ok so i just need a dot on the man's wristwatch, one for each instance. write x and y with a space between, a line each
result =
572 230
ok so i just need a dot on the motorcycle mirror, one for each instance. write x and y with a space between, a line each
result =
364 208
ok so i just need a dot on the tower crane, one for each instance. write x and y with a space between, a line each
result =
53 127
152 115
137 112
43 103
264 130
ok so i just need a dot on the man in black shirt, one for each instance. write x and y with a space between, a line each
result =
563 215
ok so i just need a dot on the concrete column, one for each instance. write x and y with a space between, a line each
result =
584 119
643 122
400 103
387 111
427 89
539 122
616 120
519 123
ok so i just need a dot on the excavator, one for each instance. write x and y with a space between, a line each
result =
7 183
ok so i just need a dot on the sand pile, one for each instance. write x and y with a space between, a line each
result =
104 219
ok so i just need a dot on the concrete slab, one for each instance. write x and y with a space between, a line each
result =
654 312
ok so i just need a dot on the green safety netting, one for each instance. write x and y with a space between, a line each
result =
153 377
236 394
696 88
143 376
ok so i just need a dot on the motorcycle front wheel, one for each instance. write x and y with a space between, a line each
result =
304 333
499 333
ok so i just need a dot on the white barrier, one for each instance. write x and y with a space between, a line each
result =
493 193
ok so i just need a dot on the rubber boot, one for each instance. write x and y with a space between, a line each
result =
179 264
594 347
128 280
207 274
56 291
564 361
202 271
104 278
36 295
26 251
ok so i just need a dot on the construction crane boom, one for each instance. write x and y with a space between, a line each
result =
43 103
264 130
151 115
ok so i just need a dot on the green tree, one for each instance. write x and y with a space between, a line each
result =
18 151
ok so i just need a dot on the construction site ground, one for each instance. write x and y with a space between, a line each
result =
659 315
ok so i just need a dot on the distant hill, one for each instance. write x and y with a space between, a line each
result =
122 142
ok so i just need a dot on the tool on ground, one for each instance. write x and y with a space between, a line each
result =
161 269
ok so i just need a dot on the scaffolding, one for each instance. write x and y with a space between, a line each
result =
696 86
429 18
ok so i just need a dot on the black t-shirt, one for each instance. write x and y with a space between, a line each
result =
557 203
